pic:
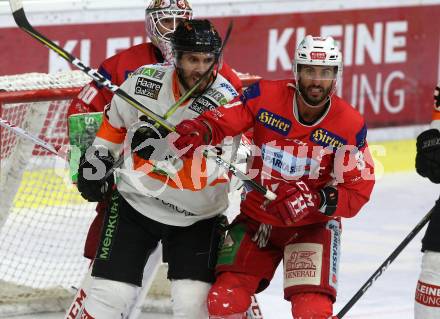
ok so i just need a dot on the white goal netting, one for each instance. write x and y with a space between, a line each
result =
43 219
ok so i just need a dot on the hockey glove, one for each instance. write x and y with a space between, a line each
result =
296 200
148 133
92 169
192 133
428 155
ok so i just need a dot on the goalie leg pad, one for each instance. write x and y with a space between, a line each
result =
311 306
427 299
109 299
231 294
188 298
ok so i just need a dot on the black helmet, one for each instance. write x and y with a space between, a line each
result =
196 36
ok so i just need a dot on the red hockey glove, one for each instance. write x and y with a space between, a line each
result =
294 202
192 133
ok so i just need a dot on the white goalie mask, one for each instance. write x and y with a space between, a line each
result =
161 19
318 51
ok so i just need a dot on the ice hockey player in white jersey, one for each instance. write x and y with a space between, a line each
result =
156 196
427 297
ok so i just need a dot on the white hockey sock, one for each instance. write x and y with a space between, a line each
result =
189 299
427 299
109 299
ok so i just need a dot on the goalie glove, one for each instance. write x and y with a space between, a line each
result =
428 155
296 200
92 169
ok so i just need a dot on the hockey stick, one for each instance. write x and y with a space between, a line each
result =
22 22
254 311
21 132
384 265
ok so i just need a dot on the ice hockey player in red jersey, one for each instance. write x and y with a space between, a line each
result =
427 299
313 154
161 20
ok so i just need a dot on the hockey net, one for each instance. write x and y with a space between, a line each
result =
43 219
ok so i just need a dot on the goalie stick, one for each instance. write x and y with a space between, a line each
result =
384 265
22 22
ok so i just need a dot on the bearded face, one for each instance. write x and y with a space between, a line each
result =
316 83
191 66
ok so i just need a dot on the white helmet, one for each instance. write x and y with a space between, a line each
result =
159 11
319 51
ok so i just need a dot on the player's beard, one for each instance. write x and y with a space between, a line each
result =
189 79
311 95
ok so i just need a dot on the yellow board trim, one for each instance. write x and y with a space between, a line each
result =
394 156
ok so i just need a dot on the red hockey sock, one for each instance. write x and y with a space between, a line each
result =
231 294
311 306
